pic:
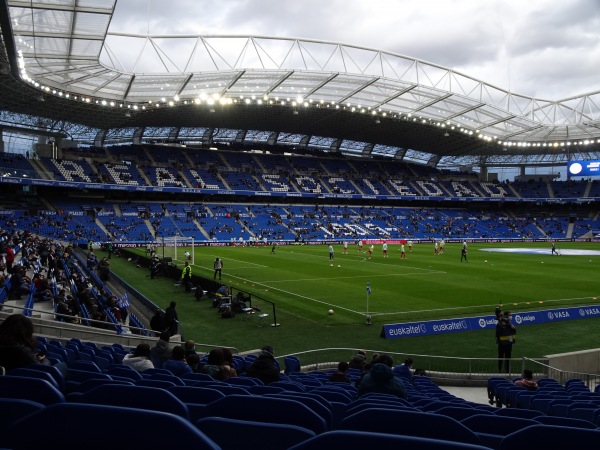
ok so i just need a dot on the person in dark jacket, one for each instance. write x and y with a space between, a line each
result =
161 352
505 338
359 360
381 379
171 319
17 344
177 365
264 367
157 323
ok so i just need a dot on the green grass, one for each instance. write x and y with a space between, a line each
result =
304 286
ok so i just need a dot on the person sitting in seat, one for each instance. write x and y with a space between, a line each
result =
381 379
527 381
139 360
404 370
238 303
264 367
177 364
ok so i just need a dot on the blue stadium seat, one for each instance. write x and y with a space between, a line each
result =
32 373
161 384
136 397
291 364
321 406
461 412
251 434
410 423
346 439
13 409
582 421
52 370
199 395
266 409
243 381
226 388
124 371
84 386
266 389
491 429
517 412
551 436
145 429
26 388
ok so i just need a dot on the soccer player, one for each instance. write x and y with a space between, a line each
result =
370 251
331 255
345 252
402 252
360 245
410 246
553 249
463 254
273 247
435 248
442 246
187 255
385 255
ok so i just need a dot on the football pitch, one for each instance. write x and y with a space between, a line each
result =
424 285
304 285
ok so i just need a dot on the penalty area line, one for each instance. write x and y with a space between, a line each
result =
293 294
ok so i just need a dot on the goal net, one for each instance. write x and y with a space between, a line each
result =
178 248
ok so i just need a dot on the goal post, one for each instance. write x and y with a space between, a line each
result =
178 248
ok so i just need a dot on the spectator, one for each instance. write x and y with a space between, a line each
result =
17 344
171 319
190 347
65 313
215 365
381 379
341 374
19 283
139 359
193 361
228 357
359 360
161 352
404 370
264 367
104 269
177 365
10 257
527 381
157 322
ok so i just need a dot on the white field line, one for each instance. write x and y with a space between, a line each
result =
294 294
431 272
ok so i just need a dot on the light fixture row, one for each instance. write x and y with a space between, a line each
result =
216 99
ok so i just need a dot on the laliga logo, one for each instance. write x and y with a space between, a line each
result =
423 328
582 312
518 319
482 323
550 316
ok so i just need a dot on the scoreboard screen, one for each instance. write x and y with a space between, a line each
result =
583 168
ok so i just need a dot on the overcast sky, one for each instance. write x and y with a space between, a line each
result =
540 48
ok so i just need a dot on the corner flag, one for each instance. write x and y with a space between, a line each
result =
368 288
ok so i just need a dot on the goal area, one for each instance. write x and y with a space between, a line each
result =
178 248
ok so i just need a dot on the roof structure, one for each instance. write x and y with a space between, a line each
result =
64 63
